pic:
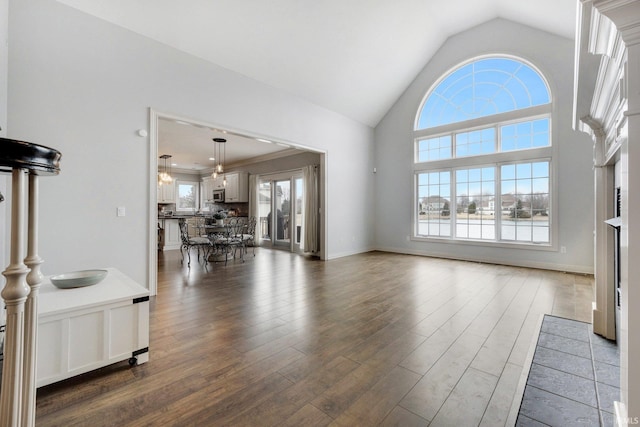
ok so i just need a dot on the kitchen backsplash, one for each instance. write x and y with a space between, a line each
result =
241 209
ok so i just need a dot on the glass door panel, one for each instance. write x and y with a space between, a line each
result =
263 228
282 205
299 216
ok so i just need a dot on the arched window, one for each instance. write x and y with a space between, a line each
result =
483 154
483 88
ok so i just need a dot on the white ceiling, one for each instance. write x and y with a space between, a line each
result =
354 57
191 146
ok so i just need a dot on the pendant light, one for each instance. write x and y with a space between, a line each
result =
220 144
215 157
164 177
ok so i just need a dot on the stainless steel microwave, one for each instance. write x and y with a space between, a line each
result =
218 196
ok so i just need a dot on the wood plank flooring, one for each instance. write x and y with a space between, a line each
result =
284 340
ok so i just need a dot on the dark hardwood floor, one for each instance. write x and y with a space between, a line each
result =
285 340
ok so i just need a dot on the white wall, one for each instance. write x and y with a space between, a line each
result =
4 55
394 151
84 86
630 229
4 211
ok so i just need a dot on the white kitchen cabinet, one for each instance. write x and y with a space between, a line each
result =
209 184
167 192
171 228
217 183
237 189
83 329
207 189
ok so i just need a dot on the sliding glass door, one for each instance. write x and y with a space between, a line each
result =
298 209
280 210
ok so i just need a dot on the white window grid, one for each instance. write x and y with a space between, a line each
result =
497 211
456 133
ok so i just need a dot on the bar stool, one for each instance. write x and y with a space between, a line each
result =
25 161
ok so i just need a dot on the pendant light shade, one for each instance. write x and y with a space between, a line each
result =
164 177
219 144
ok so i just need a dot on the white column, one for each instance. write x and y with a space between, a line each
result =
604 310
14 294
34 279
630 244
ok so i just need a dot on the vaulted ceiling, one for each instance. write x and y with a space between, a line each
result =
354 57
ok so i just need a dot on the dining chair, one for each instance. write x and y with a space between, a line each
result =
236 228
227 242
249 235
195 226
188 242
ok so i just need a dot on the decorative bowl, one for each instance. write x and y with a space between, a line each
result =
77 279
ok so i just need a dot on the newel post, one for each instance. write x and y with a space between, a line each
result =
25 161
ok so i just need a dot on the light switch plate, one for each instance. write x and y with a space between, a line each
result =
121 211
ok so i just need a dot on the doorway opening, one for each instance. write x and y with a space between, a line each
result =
265 165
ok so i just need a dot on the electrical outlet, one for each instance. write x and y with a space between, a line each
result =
121 211
563 249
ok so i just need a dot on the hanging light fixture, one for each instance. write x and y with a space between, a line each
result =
164 177
220 144
216 157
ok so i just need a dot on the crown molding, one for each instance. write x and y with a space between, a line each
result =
625 15
264 158
594 126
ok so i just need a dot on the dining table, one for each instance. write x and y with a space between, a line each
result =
215 232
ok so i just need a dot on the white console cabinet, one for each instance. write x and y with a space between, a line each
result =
82 329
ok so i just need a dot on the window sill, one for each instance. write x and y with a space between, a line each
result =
487 243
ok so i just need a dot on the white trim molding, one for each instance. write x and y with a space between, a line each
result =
606 105
624 14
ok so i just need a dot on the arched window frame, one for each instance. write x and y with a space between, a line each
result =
495 159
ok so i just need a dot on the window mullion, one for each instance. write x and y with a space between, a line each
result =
453 218
498 205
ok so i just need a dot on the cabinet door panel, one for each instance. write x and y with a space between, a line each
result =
122 337
171 234
237 189
86 338
52 356
207 189
231 191
167 193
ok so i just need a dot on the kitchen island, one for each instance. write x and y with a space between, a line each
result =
169 231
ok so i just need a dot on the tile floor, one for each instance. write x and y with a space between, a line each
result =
574 377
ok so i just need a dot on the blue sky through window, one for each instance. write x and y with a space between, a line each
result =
483 88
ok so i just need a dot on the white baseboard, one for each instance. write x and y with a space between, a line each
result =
500 261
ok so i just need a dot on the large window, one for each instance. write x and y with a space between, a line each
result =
483 155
